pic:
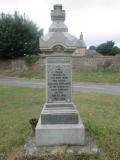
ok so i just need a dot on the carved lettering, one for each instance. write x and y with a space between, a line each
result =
59 82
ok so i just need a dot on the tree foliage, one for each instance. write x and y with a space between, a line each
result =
18 36
108 48
31 59
92 47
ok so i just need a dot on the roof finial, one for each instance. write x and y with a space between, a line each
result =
81 36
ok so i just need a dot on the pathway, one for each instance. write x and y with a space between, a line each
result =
113 89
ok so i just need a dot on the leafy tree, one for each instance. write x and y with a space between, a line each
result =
108 48
18 36
116 50
92 47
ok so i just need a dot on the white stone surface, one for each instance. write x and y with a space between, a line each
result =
58 38
59 134
59 125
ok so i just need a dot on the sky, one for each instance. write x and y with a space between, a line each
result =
97 19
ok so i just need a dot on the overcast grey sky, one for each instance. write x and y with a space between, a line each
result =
97 19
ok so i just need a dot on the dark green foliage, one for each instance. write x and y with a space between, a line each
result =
31 59
92 47
116 50
108 48
18 36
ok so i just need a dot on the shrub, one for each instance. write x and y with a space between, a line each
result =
18 36
31 59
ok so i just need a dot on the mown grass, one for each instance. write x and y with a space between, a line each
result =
100 113
101 76
17 106
24 74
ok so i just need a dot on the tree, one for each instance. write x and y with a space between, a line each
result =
116 50
18 36
92 48
108 48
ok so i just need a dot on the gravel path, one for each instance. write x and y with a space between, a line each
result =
113 89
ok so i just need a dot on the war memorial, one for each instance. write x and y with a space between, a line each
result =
59 122
58 39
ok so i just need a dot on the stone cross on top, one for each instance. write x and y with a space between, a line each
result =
58 35
58 14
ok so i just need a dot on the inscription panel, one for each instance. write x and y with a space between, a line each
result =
58 82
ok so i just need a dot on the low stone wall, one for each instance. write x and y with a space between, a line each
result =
86 63
20 65
5 64
93 63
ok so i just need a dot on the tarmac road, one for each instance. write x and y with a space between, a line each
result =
113 89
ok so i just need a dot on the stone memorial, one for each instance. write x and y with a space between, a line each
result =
59 122
58 38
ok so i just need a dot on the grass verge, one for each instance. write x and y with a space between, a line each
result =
101 76
99 112
24 74
17 106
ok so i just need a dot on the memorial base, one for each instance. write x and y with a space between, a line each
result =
47 135
59 124
59 113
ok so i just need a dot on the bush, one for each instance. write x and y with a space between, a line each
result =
18 36
31 59
108 48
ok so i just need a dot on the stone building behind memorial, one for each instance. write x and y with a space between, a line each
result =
58 39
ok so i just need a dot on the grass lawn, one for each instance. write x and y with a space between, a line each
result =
102 76
27 74
100 113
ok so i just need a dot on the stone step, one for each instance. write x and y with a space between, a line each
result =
59 134
59 117
59 105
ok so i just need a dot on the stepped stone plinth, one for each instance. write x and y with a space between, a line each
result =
59 122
